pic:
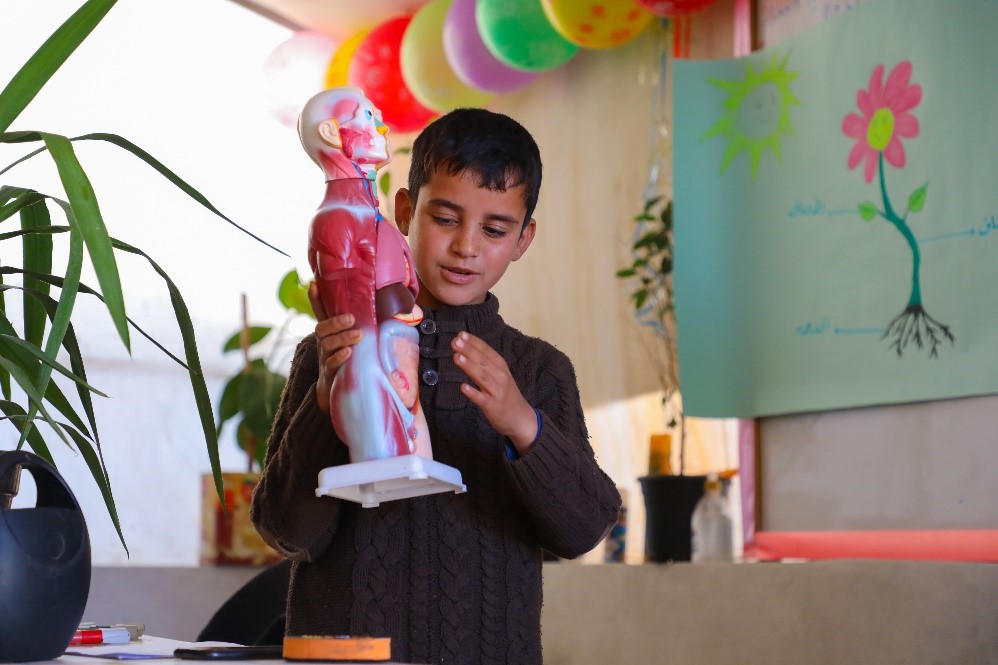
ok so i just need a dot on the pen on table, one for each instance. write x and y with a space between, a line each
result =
135 630
101 636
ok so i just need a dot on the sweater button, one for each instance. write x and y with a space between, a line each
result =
428 326
430 377
425 351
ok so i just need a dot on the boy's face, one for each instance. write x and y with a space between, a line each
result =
463 237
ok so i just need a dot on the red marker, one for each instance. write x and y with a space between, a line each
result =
101 636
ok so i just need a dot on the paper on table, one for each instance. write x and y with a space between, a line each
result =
145 648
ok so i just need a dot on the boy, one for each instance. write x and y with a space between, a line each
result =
451 578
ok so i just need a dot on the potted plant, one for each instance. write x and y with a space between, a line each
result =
669 498
30 349
25 360
650 273
249 402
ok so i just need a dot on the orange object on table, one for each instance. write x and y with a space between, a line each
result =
338 648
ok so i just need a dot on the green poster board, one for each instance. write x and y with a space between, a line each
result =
835 214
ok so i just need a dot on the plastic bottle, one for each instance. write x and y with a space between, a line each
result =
711 525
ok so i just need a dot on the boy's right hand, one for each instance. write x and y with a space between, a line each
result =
334 337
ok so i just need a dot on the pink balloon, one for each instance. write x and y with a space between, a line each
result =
470 58
294 71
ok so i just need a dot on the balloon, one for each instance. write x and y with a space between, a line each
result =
673 7
293 72
425 67
339 66
469 58
519 34
376 69
596 23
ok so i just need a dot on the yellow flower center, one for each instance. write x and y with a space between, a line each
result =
880 130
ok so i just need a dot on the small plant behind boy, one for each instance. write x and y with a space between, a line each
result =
650 272
251 395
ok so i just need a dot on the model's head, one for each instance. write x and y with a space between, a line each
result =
343 119
498 150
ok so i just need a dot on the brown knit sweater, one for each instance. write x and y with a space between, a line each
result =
451 578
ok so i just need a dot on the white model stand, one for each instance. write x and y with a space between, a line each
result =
403 477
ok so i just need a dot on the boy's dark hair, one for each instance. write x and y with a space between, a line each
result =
498 149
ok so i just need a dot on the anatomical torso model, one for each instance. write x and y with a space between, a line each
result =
362 265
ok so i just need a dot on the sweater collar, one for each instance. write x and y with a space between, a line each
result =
481 320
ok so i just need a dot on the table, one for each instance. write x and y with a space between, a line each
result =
156 650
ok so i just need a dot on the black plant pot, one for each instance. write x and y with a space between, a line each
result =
669 504
44 563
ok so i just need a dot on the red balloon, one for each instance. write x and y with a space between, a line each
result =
377 70
673 7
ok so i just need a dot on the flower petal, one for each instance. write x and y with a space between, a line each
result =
907 99
859 150
876 86
870 166
894 152
864 103
854 126
906 125
898 79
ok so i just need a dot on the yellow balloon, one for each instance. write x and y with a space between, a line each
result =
597 23
425 69
339 65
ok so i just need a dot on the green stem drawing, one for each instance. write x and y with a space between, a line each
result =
901 225
913 325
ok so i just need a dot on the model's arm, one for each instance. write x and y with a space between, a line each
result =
571 502
285 509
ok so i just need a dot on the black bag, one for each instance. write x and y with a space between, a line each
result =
44 563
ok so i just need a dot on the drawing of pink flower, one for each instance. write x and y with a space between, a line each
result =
883 120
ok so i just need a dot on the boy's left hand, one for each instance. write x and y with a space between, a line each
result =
497 394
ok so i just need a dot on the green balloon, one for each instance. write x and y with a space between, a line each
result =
519 34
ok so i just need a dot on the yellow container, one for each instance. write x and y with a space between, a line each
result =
660 455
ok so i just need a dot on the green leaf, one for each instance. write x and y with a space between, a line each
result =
639 298
201 397
25 198
91 225
651 203
19 418
294 295
256 333
917 199
48 58
83 288
259 395
179 182
626 272
61 320
37 255
385 183
34 400
72 347
125 144
228 406
95 461
6 340
867 211
4 374
652 240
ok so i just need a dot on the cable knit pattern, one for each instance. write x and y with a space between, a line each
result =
450 578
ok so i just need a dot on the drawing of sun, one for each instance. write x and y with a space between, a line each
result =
756 112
